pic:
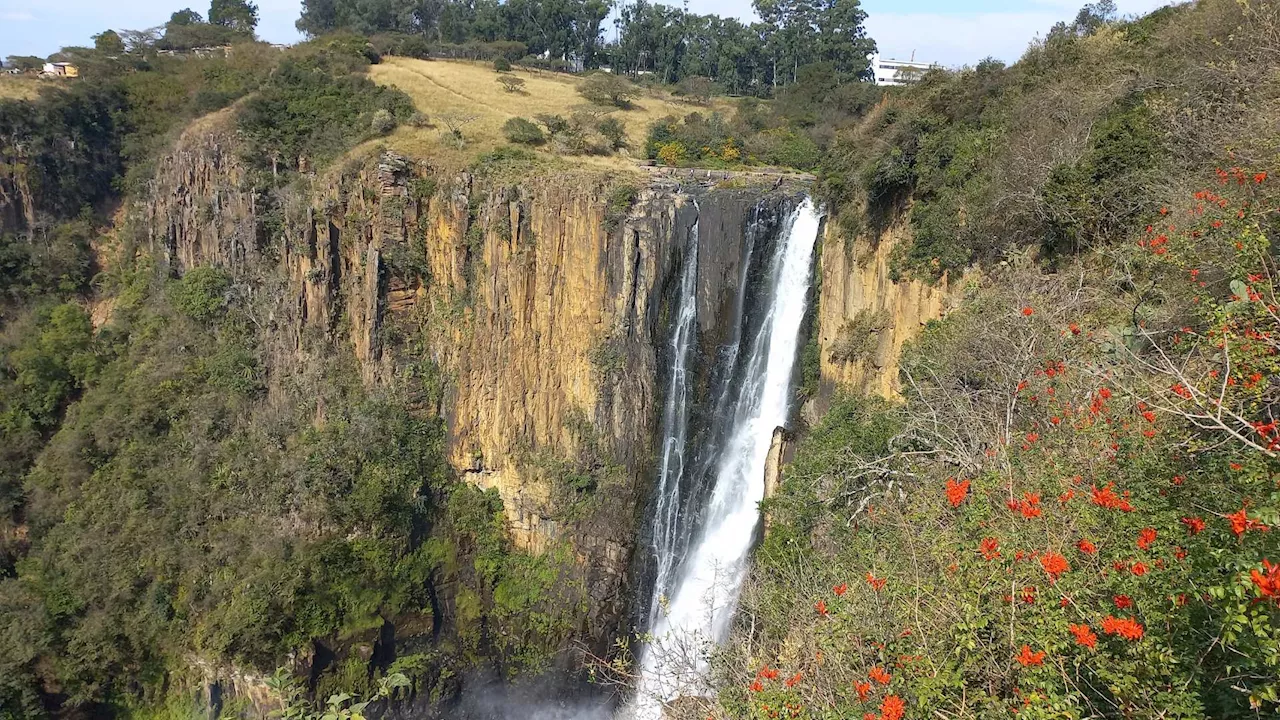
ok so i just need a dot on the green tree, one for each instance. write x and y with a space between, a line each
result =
24 62
240 15
520 130
186 16
108 42
607 89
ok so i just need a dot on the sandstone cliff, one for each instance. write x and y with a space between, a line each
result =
864 316
537 300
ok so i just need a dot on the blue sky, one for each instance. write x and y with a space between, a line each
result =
952 32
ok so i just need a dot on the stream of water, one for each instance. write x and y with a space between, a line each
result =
697 588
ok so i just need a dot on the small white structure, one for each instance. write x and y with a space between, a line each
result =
899 72
61 69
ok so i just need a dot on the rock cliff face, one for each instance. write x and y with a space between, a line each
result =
865 317
542 301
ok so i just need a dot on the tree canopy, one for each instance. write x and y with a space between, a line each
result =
668 42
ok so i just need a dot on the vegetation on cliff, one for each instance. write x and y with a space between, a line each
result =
1072 510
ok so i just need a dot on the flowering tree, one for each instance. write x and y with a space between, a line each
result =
1071 514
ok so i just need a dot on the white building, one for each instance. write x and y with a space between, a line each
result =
899 72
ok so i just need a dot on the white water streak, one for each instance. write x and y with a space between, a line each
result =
707 591
675 427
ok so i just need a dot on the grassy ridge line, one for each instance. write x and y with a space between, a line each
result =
471 88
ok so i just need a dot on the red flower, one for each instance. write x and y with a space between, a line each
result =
1054 564
1260 178
957 491
1146 538
794 679
1029 506
756 686
1107 498
1268 581
1084 635
1087 547
1241 522
821 607
1026 658
840 589
876 583
988 548
1127 628
1123 602
1032 438
879 675
1194 525
1074 328
1027 312
864 689
892 708
768 673
1138 569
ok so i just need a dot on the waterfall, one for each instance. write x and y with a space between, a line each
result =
675 428
707 581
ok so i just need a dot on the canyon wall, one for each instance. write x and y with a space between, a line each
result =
865 316
534 300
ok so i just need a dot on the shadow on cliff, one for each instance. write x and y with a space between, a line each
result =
485 697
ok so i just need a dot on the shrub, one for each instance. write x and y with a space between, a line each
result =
672 153
501 64
511 83
697 89
607 89
521 131
201 294
555 124
614 131
383 121
857 338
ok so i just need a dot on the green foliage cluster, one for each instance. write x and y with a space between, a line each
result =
523 132
714 141
857 338
608 89
313 107
1061 150
481 30
171 508
661 42
585 132
1090 533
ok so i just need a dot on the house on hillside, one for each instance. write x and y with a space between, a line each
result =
61 69
899 72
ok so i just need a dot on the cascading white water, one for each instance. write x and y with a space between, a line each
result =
707 587
675 428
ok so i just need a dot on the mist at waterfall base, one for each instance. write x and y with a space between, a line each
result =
700 572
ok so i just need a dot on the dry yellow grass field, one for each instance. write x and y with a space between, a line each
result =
24 87
443 86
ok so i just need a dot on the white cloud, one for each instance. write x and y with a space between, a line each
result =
18 16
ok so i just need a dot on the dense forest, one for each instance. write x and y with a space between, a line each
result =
668 42
1070 511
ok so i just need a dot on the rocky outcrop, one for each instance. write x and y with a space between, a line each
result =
865 316
773 465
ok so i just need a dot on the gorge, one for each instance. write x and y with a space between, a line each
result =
419 375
